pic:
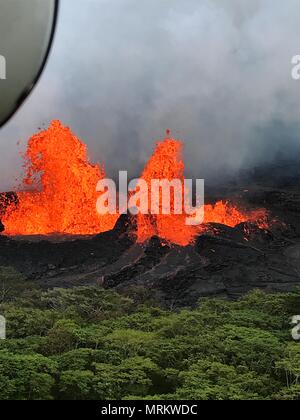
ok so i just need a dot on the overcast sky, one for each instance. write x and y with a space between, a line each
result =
217 73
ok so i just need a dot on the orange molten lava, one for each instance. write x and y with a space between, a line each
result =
61 183
59 193
167 163
226 214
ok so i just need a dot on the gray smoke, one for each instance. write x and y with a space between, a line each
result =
217 73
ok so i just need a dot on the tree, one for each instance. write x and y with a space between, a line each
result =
61 338
290 370
26 377
208 380
76 385
92 303
132 376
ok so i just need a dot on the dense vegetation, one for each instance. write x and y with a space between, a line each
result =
91 343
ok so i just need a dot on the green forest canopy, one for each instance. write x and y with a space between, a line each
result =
90 343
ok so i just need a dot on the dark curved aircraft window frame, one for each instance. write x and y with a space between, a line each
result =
30 88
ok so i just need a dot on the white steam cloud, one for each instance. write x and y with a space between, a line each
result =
217 73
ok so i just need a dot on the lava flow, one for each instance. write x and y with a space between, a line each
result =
58 193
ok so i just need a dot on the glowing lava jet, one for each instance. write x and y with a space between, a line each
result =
167 163
59 195
61 188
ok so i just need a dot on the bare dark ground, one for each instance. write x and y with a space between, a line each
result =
227 264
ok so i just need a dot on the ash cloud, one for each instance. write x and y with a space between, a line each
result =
121 72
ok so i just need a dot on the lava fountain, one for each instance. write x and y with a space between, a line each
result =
167 163
58 193
60 185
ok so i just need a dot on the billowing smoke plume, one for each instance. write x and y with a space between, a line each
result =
217 73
